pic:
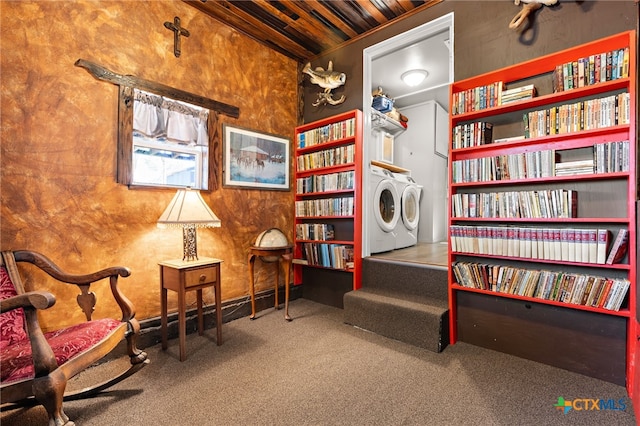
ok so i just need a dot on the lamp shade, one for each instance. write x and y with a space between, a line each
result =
188 208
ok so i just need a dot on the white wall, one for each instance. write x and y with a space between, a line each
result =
415 150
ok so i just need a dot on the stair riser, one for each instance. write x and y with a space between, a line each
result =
405 278
422 326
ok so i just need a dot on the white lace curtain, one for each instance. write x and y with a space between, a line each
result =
159 117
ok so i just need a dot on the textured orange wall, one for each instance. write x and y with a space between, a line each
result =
59 130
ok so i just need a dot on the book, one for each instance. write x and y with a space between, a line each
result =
619 247
518 93
602 245
556 249
509 139
593 245
624 288
564 245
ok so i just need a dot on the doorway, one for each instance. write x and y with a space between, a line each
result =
428 47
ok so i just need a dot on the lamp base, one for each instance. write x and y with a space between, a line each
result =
189 243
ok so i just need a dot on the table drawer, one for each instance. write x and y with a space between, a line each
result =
200 276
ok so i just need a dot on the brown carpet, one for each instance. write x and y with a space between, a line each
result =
316 370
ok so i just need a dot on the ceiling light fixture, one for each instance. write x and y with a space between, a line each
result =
414 77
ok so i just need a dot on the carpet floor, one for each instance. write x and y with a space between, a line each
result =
316 370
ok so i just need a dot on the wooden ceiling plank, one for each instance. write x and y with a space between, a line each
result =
304 25
300 8
285 25
407 5
418 9
354 16
233 17
322 24
373 10
397 7
328 14
275 19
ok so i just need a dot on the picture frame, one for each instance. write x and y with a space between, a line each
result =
255 160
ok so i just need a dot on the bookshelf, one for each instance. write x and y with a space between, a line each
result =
540 187
328 199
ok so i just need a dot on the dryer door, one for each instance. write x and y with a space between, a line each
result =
411 207
386 205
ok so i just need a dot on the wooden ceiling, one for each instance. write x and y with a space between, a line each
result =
302 29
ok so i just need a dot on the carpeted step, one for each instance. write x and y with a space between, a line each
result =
403 301
405 278
416 320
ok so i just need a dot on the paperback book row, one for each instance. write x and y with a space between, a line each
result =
526 165
325 207
555 244
582 72
321 183
315 231
489 96
326 158
472 134
608 157
330 132
337 256
577 289
477 98
585 115
611 157
590 70
542 204
605 157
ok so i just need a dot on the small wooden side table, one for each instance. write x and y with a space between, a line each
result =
182 276
284 255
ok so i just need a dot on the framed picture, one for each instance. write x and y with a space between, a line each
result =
255 160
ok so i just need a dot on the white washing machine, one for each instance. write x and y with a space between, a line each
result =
385 209
410 193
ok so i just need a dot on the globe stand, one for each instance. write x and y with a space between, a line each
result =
281 254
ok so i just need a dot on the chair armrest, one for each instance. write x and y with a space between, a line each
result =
32 299
86 300
47 265
44 360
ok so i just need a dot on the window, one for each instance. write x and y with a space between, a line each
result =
170 142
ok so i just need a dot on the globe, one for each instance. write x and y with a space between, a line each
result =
271 238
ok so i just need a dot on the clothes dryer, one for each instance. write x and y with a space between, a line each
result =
410 193
384 200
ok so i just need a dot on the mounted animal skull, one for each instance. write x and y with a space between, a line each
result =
328 80
528 7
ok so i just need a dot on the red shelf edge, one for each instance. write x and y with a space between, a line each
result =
621 313
571 178
622 266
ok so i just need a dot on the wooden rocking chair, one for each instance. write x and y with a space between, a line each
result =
38 365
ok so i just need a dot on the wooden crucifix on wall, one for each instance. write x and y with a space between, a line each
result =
177 32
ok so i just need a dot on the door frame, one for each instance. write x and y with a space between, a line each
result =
436 26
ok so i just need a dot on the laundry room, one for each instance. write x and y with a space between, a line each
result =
407 141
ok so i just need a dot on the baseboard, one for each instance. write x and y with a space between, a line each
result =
231 310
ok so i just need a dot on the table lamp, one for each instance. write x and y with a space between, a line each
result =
188 210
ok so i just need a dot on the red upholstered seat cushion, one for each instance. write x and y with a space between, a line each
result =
12 322
15 359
